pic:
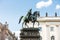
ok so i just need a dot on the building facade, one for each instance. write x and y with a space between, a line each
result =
49 28
5 33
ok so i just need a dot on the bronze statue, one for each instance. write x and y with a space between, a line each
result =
30 17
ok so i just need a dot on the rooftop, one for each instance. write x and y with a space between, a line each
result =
49 19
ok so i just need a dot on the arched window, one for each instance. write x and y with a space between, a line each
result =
40 37
52 28
52 38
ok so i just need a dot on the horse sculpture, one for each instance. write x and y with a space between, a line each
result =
34 17
30 17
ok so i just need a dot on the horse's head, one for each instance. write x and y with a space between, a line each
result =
36 14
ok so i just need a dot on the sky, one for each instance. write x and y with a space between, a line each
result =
12 10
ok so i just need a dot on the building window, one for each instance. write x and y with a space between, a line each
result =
40 28
52 38
52 28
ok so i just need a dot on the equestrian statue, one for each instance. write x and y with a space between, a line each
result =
30 17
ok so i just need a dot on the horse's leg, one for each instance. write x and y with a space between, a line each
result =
38 23
22 24
33 24
26 25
